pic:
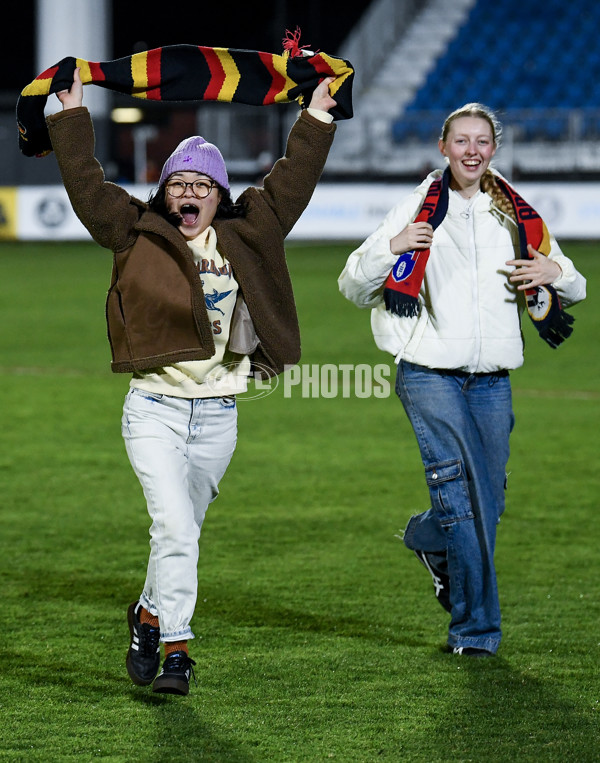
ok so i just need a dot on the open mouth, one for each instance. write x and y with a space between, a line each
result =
189 214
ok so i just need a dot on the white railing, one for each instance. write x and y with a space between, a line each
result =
534 141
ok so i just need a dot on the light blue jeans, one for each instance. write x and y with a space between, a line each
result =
179 450
462 423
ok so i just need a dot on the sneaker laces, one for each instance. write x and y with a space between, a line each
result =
149 639
179 662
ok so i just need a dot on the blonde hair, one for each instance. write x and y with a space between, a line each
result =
499 200
474 110
488 180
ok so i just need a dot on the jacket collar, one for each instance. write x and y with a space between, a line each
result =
150 222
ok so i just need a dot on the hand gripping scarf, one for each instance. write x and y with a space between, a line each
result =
402 286
191 73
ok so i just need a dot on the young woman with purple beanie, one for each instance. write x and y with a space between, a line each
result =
200 300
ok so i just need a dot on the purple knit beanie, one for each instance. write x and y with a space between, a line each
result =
196 155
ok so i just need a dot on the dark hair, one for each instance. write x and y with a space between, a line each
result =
227 209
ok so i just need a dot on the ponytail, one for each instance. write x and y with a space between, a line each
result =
500 201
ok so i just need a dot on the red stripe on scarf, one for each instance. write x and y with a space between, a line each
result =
48 74
217 74
527 217
278 84
153 73
320 65
411 283
96 72
530 224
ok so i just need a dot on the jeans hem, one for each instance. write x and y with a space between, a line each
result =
184 635
489 645
408 535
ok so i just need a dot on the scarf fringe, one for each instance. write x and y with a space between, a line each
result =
557 330
291 43
402 305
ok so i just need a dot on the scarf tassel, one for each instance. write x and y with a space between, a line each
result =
558 329
291 44
402 305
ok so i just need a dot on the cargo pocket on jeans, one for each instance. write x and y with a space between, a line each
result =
449 492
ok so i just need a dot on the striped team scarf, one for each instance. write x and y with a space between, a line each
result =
191 73
402 286
401 289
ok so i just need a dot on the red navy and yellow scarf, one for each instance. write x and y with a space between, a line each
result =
191 73
402 286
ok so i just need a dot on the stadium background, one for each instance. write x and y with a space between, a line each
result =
318 636
415 61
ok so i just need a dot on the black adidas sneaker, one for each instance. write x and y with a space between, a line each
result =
143 656
174 678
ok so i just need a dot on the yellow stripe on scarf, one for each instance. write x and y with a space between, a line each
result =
38 87
545 246
42 86
338 66
139 74
280 64
232 74
84 70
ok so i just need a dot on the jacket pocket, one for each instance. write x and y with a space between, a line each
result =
449 491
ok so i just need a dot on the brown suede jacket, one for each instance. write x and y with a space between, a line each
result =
155 309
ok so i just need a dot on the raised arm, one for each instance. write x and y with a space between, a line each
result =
289 186
106 210
73 97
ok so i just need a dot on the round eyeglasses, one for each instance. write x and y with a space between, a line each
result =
200 188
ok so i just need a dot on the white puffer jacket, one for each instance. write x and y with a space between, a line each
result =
470 312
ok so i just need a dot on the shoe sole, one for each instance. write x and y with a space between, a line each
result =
475 653
171 685
137 680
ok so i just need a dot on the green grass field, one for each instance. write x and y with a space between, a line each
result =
318 636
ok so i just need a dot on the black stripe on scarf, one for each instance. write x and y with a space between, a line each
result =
183 81
256 82
185 75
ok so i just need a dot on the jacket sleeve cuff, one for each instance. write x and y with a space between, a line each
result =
322 116
65 114
308 115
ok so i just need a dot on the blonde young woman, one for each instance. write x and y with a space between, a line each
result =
447 277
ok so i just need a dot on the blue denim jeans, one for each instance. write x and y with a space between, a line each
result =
462 423
179 450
